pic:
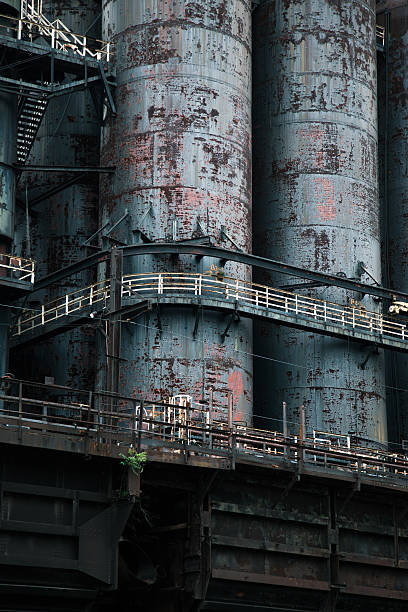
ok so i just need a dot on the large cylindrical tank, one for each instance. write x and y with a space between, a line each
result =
316 201
395 126
10 7
68 136
181 146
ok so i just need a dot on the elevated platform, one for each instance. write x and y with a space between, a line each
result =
16 277
230 518
230 295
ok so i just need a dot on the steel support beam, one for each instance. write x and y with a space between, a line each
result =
226 255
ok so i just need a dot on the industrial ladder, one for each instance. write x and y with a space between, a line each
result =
30 115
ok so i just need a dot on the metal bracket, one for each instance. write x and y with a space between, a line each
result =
107 90
197 320
234 317
88 240
225 236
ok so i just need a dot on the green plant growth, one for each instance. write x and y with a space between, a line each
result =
134 460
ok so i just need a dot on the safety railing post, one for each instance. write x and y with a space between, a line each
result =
267 297
325 311
133 423
66 304
44 416
302 432
354 317
20 408
296 304
285 427
42 314
89 414
140 427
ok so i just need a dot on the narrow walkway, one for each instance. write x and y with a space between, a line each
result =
248 299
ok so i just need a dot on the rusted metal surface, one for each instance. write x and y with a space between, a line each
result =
181 146
315 189
395 216
8 131
69 136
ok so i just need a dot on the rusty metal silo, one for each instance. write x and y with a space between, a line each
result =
316 199
69 136
181 146
394 87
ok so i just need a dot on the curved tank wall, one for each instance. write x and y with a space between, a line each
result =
396 216
316 200
181 145
69 135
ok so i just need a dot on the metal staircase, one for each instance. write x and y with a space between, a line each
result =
58 34
30 115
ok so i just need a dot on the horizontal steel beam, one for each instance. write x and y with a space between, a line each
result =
224 255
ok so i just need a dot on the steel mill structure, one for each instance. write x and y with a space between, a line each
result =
195 416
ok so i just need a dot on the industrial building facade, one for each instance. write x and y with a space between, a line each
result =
204 301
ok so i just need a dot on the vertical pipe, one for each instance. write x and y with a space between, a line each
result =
181 146
316 198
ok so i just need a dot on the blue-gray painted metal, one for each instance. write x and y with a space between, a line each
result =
8 123
396 215
181 146
69 135
316 196
8 131
12 7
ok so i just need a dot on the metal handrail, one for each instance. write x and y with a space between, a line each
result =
188 427
18 268
61 38
261 297
380 34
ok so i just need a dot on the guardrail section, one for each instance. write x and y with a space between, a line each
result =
17 268
33 24
263 298
179 426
